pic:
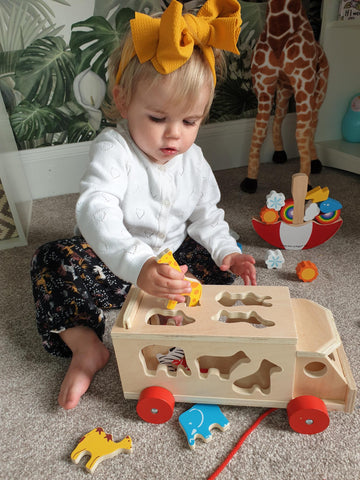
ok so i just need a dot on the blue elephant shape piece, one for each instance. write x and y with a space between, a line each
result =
199 420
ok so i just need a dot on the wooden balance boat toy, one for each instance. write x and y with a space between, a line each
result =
291 232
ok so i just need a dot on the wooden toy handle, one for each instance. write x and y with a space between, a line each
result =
299 191
132 301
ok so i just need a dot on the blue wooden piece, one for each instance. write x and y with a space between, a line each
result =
330 205
199 420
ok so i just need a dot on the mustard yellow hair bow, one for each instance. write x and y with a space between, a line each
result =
168 42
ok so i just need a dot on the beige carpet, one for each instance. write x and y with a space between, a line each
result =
37 437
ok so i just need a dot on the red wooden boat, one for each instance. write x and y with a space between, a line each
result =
297 235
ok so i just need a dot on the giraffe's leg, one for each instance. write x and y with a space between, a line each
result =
283 94
305 103
265 101
320 92
315 163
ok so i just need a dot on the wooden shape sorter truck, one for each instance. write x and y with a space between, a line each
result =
241 345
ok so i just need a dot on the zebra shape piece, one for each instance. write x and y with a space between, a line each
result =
173 359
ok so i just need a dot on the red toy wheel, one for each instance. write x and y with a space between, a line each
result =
308 414
155 405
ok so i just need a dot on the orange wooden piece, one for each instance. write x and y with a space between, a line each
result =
307 271
269 215
155 405
308 415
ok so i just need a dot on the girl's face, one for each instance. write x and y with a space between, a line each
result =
158 126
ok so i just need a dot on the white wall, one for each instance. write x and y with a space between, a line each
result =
57 170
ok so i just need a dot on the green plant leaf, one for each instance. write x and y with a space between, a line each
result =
31 120
94 39
80 130
72 109
8 61
109 8
253 15
45 72
8 94
232 101
21 24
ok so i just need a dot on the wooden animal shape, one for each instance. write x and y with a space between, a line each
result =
196 289
173 359
287 60
199 420
99 445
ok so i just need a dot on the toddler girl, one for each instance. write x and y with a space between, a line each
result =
147 188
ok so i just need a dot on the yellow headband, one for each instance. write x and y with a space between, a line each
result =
168 42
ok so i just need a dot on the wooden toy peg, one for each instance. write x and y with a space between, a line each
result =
298 192
99 445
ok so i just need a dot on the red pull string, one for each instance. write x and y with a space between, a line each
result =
240 442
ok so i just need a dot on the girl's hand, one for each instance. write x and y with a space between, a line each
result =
242 265
161 280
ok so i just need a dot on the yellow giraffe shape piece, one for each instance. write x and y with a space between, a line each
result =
166 256
99 445
317 194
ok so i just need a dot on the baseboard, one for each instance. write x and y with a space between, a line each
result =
57 170
340 154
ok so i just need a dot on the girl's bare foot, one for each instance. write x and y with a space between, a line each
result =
89 356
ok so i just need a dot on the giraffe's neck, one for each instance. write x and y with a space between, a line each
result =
283 18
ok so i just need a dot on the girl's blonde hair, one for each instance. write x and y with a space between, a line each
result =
186 82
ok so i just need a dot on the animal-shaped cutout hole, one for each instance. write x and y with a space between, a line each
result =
221 365
168 318
168 358
252 318
260 379
228 299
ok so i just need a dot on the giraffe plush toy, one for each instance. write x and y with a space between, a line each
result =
287 60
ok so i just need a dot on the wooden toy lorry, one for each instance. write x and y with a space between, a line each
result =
248 346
